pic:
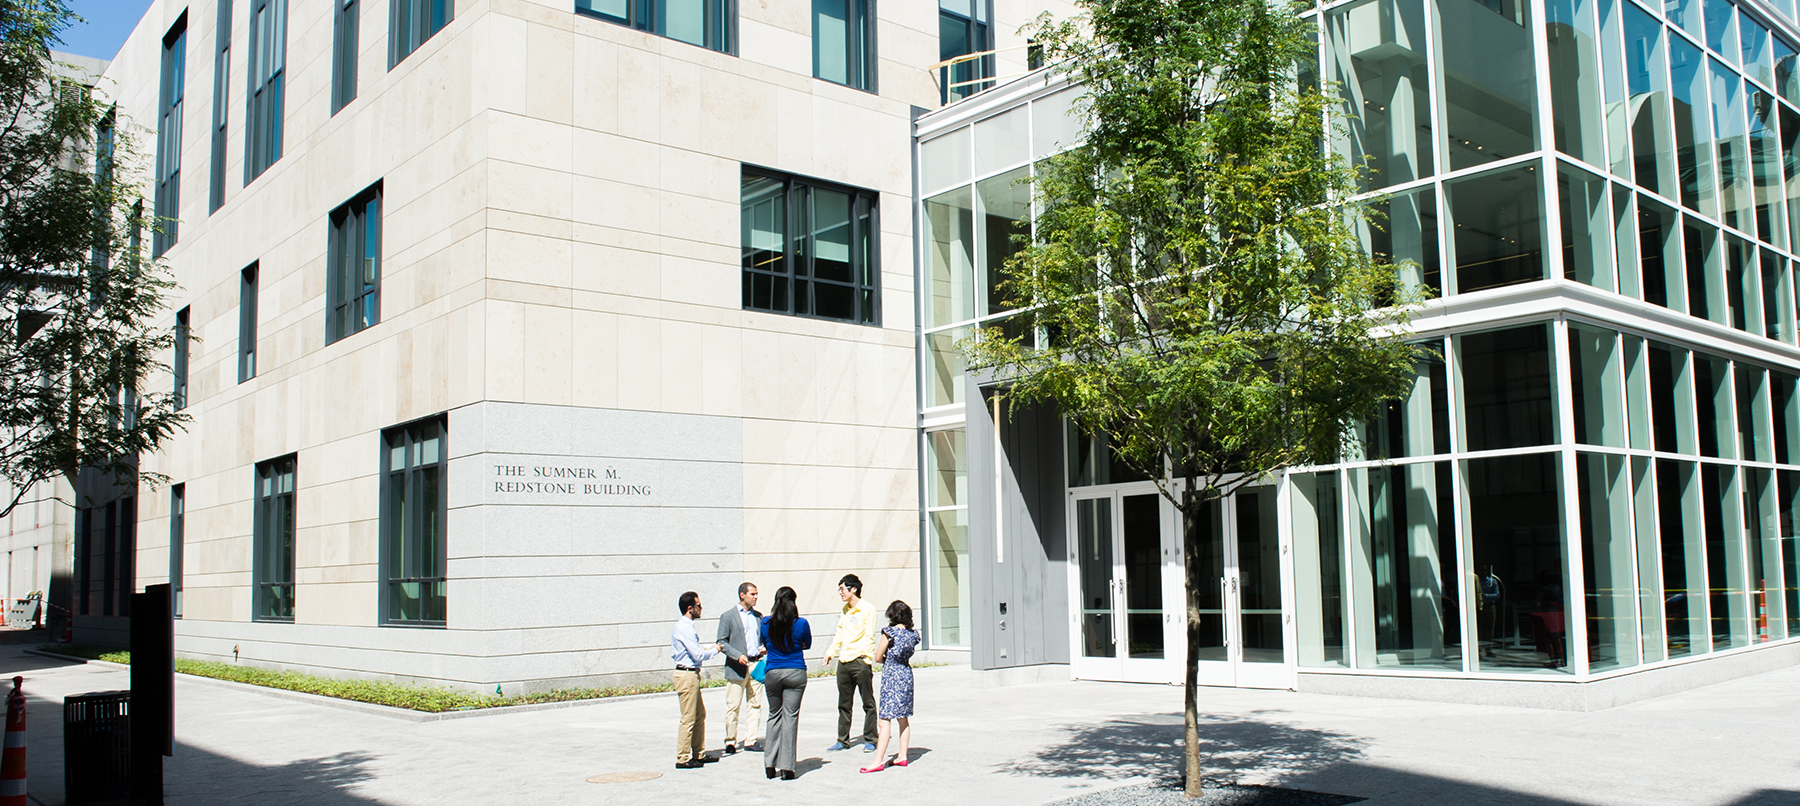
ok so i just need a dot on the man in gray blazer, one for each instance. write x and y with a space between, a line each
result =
740 631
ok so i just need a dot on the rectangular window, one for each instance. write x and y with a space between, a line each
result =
1319 565
273 532
221 92
1603 490
963 30
711 24
1515 527
168 137
247 324
353 266
809 248
268 62
343 54
1506 388
413 489
182 329
177 542
1497 232
947 517
844 42
411 22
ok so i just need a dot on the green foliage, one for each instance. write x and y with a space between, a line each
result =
1204 301
77 294
396 695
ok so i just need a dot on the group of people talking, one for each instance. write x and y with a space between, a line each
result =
765 662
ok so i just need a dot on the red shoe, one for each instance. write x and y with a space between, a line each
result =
898 763
876 768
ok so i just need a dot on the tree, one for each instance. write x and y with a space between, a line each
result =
78 299
1201 297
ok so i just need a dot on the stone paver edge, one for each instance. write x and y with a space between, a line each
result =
389 711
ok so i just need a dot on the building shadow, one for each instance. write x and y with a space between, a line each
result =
195 776
199 777
1768 797
1151 747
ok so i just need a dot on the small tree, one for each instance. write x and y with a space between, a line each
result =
77 296
1202 299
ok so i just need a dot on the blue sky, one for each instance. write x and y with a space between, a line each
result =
107 24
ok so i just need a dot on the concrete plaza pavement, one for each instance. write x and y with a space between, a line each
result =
1731 744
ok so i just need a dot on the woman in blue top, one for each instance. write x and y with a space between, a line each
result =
787 637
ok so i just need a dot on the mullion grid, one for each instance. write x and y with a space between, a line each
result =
1569 457
353 266
411 556
1550 198
798 276
168 131
347 21
274 538
267 70
221 104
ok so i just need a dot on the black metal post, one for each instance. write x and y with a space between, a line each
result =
152 691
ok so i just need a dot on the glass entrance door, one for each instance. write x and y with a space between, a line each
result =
1243 640
1125 563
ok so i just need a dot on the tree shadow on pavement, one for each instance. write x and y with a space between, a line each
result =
1151 746
195 776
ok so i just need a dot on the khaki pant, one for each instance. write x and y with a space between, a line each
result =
736 693
690 738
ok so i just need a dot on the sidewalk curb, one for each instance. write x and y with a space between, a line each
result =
391 712
403 714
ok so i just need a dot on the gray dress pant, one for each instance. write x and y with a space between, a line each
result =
784 688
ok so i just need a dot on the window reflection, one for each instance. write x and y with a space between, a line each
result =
1498 232
1515 538
1490 88
1376 54
1506 388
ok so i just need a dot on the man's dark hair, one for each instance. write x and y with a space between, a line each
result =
744 587
688 600
855 585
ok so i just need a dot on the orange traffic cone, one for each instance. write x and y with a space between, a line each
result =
12 758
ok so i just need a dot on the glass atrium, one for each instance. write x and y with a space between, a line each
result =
1600 467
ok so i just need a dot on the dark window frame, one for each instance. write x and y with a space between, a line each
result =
265 87
978 32
408 30
419 562
272 532
352 307
172 87
799 276
183 329
346 20
861 56
177 544
721 22
249 282
221 105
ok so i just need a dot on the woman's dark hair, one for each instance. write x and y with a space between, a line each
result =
782 616
900 613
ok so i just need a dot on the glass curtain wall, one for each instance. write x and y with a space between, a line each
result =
1653 521
977 202
1552 497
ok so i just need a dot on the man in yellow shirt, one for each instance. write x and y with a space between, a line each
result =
854 652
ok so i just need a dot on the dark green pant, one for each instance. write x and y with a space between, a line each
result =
853 676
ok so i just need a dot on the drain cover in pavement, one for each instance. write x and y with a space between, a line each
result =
623 777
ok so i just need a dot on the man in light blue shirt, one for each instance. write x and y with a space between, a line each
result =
688 654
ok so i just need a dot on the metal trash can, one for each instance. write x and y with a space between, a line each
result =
97 746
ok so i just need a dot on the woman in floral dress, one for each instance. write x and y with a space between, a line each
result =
894 650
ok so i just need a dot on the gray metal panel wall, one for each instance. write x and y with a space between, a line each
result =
1031 580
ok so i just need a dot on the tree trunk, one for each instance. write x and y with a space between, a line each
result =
1191 523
